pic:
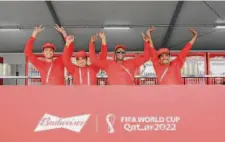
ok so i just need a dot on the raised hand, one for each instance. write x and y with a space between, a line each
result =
195 35
37 30
94 38
193 31
69 40
148 32
61 30
145 38
102 35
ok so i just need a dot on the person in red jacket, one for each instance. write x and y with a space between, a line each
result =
120 71
83 74
51 69
167 71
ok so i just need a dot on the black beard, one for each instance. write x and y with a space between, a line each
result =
119 59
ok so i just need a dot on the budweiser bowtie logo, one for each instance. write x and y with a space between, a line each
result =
49 122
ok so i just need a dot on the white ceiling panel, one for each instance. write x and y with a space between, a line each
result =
219 8
209 38
115 12
130 38
14 41
196 12
24 13
139 14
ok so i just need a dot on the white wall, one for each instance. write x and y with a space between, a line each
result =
15 60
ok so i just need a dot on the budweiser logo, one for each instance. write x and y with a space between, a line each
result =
49 122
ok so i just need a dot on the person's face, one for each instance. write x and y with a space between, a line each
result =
48 53
82 61
120 53
164 58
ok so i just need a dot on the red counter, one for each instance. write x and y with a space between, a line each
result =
112 114
1 80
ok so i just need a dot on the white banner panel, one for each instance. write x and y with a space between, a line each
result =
217 66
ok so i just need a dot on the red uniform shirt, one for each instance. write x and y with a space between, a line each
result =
51 72
173 74
82 75
119 73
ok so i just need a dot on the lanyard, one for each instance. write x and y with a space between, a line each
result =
128 73
88 76
49 71
164 73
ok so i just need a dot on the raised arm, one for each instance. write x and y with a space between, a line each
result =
63 32
153 53
67 54
104 48
94 60
142 59
29 47
184 52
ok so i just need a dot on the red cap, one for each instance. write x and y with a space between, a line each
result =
81 54
163 51
48 45
120 46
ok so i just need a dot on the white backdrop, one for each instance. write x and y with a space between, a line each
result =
217 66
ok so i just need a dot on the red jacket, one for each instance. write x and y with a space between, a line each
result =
173 74
85 75
52 73
119 73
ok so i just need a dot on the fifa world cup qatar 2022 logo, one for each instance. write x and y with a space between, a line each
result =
110 120
143 123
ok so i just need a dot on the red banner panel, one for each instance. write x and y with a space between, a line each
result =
112 114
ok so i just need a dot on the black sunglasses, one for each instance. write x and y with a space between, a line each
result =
81 58
120 52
